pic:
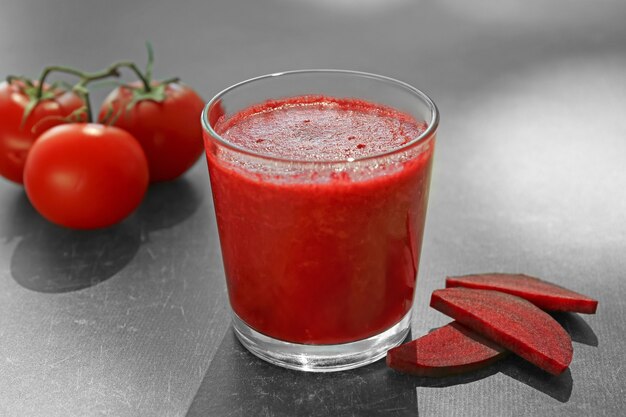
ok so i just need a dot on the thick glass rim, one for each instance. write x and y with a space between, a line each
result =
431 128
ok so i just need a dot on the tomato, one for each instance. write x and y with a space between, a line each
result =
165 121
17 135
86 175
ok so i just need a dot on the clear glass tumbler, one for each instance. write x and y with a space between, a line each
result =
321 256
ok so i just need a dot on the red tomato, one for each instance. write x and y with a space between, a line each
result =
165 122
17 137
86 175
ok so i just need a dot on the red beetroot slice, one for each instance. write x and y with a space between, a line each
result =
511 322
541 293
449 350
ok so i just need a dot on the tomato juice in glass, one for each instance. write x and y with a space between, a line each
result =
320 184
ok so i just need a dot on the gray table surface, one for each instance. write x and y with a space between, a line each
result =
529 176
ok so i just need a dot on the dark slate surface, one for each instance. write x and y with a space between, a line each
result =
529 177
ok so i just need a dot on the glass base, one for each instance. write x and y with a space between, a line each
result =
321 358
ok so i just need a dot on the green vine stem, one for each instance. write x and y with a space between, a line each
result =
83 92
86 78
171 80
147 91
12 78
149 66
112 71
144 78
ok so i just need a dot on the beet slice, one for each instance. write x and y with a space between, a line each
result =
511 322
541 293
449 350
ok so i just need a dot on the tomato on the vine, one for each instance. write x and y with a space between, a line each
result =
86 175
24 116
165 122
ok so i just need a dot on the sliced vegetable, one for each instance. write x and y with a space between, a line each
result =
543 294
511 322
450 350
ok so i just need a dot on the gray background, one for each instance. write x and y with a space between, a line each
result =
529 176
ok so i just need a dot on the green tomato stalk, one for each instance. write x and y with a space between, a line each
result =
149 90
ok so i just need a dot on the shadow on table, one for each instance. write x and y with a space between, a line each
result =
53 259
168 204
558 387
577 328
239 384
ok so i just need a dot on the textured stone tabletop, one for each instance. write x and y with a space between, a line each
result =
529 176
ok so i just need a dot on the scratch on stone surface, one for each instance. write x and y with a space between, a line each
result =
152 255
278 397
169 388
78 375
167 300
121 395
142 307
100 390
263 393
54 364
101 354
316 395
182 311
106 295
47 350
184 283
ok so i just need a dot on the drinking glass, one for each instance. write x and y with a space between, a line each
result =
320 256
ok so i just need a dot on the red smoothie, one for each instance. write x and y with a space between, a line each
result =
325 250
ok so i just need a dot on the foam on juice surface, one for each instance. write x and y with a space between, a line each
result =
319 128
